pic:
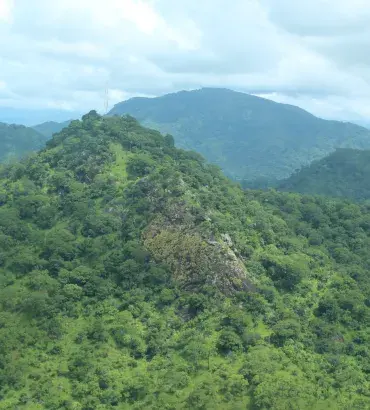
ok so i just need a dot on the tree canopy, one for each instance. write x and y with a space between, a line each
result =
134 275
344 173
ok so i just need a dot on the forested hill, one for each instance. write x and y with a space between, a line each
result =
345 173
134 275
247 136
50 127
18 140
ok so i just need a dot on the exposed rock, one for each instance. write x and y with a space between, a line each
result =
196 261
227 239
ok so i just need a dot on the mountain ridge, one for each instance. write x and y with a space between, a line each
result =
18 140
49 128
246 135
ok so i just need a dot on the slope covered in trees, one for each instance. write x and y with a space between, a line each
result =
247 136
18 140
50 127
133 275
345 173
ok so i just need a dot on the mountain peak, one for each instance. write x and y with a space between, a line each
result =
121 157
50 127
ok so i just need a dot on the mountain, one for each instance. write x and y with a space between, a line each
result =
134 275
247 136
50 127
344 173
18 140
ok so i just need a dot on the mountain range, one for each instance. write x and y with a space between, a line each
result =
135 275
247 136
252 139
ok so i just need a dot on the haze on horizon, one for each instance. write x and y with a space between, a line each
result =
57 58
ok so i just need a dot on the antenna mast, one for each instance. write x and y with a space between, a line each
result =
106 99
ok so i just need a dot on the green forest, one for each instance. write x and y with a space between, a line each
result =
134 275
50 127
344 173
17 141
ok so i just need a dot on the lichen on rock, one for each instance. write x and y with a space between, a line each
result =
194 261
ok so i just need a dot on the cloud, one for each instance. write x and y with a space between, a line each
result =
319 17
62 54
6 9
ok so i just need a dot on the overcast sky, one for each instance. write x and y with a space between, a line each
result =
62 54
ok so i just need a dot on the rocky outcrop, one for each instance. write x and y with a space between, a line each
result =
195 261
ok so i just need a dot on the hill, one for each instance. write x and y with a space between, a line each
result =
18 140
247 136
344 173
134 275
50 127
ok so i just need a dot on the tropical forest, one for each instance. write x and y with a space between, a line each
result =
135 275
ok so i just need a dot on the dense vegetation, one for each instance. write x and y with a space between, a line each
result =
50 127
135 276
17 141
345 173
247 136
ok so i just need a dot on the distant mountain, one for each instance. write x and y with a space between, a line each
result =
50 127
344 173
30 117
247 136
18 140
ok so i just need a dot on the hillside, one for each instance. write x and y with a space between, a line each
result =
344 173
247 136
133 275
50 127
18 140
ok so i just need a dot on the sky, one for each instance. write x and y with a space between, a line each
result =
59 56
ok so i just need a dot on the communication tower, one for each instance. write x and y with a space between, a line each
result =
106 100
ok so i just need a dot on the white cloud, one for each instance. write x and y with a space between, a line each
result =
319 17
63 53
330 106
6 9
78 50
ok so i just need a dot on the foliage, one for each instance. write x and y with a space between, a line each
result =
345 173
133 275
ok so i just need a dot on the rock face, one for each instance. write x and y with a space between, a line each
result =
195 261
226 238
